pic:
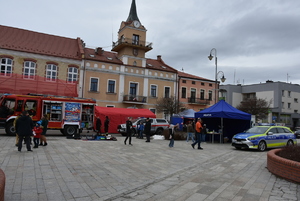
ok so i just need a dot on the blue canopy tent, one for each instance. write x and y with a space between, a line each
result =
224 118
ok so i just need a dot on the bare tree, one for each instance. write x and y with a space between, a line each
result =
168 105
255 106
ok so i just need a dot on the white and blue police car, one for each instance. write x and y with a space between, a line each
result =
264 137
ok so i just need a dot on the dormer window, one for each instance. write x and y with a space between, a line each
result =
109 58
163 67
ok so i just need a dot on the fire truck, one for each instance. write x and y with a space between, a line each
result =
69 115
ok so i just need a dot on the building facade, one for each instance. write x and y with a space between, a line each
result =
33 62
195 92
283 98
39 63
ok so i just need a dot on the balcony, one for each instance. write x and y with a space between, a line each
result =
198 101
125 42
134 99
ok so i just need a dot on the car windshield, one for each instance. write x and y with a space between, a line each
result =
258 130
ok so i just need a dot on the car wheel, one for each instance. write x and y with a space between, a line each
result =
159 131
262 146
10 129
290 143
70 130
133 132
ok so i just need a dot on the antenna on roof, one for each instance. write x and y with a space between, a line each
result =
182 69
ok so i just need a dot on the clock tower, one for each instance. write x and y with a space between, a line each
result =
131 45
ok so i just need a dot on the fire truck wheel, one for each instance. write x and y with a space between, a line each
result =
70 130
10 129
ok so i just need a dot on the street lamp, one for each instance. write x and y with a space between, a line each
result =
210 57
217 73
223 79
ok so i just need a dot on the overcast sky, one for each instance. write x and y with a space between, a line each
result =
255 40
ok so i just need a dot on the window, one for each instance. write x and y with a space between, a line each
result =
72 74
210 85
51 72
295 111
282 93
111 86
183 81
282 105
6 67
193 82
202 84
94 84
210 95
296 100
133 89
183 92
202 94
153 91
152 110
289 93
167 92
135 39
289 105
193 95
29 70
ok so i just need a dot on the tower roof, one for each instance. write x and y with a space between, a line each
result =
132 13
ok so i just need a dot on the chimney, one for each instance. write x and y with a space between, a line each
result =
159 57
98 50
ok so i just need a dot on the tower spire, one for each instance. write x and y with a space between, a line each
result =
132 14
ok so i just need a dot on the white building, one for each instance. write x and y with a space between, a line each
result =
284 99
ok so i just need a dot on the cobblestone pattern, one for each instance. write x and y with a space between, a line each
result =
109 170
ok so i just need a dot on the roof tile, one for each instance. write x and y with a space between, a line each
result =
39 43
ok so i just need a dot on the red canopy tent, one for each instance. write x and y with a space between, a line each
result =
119 116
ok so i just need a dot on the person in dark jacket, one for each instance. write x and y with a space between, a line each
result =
128 130
106 125
147 129
98 126
24 126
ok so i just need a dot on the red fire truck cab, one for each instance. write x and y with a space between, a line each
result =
66 114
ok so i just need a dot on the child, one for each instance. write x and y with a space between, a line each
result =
37 130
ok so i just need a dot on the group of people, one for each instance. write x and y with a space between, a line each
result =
200 133
99 125
25 129
141 128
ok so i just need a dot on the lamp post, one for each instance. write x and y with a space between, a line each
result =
210 57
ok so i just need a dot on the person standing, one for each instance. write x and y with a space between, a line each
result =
140 130
128 130
190 132
17 137
198 128
44 126
106 125
98 126
147 129
172 134
24 126
37 131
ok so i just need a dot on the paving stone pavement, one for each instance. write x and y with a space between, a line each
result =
80 170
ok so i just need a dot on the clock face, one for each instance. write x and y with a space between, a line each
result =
136 24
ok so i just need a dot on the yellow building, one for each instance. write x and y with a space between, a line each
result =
124 77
